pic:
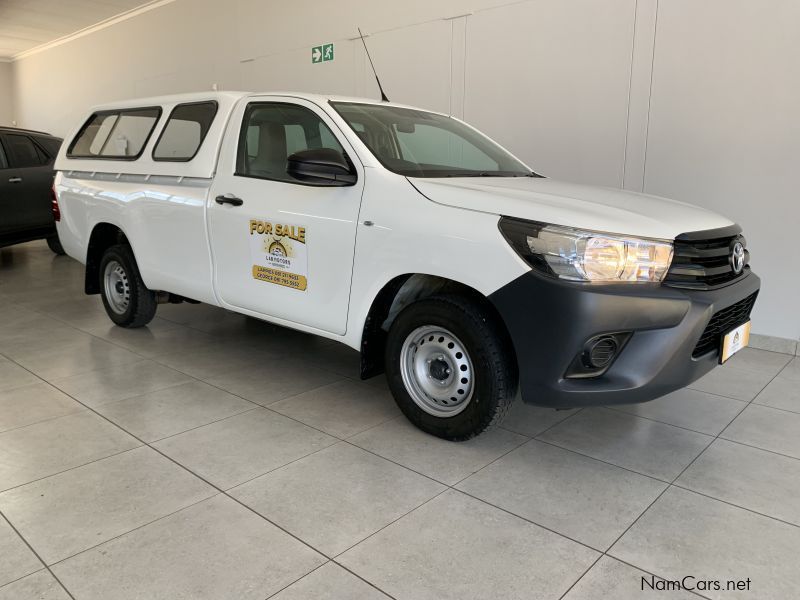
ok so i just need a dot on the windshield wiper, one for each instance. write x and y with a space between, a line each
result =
485 174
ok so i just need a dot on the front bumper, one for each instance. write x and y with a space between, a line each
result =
550 320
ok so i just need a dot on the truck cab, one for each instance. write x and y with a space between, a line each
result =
464 275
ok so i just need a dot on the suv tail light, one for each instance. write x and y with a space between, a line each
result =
54 203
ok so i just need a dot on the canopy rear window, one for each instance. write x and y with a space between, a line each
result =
115 134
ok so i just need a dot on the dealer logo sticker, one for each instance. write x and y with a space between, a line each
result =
278 253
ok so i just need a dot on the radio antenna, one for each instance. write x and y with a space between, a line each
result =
380 87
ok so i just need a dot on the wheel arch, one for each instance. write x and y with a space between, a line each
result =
398 293
103 236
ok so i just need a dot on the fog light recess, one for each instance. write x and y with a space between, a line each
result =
601 352
597 355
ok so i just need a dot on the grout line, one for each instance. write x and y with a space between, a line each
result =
728 502
625 562
582 575
785 410
220 490
225 418
290 584
36 554
732 441
223 492
14 487
142 526
605 462
654 420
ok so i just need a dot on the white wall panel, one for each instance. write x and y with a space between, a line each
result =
414 64
550 81
6 97
725 131
693 100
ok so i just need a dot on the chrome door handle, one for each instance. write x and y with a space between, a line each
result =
15 180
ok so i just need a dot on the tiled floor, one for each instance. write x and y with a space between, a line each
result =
214 456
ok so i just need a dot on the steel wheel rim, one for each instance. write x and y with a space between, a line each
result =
117 287
437 371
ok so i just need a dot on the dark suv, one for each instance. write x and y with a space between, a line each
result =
26 180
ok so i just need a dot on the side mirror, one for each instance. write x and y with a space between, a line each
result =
322 167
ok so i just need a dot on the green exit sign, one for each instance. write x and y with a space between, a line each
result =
322 53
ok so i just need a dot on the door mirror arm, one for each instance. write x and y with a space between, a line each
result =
321 167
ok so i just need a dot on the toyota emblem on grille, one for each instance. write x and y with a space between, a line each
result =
737 258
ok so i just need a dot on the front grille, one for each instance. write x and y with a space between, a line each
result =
704 263
721 323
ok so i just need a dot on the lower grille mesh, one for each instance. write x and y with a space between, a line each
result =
722 322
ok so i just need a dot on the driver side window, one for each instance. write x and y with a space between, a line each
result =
271 132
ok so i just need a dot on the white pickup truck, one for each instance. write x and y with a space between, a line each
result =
410 236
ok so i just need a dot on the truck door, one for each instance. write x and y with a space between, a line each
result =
281 248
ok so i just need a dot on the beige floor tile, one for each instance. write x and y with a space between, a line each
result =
173 410
72 511
612 579
46 448
235 450
16 559
348 494
341 409
120 382
448 462
37 586
641 445
550 486
767 428
274 380
216 549
455 547
691 409
748 477
33 403
685 533
330 582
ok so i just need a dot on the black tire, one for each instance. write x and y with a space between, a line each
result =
141 304
489 349
55 245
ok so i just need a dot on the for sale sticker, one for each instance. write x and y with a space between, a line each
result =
278 252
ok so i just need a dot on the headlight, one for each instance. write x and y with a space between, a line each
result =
580 255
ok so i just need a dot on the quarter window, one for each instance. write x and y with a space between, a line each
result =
23 152
120 134
185 131
271 132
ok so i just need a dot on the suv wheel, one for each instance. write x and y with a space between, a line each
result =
55 245
127 300
450 367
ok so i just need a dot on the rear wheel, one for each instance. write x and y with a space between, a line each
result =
450 367
127 300
55 245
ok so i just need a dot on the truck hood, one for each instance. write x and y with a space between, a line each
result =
570 204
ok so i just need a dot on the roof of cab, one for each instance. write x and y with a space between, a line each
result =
236 95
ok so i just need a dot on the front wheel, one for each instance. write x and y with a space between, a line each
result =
127 300
450 367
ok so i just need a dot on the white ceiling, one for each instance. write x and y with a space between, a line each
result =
25 24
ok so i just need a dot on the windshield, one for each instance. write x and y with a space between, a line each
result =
416 143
